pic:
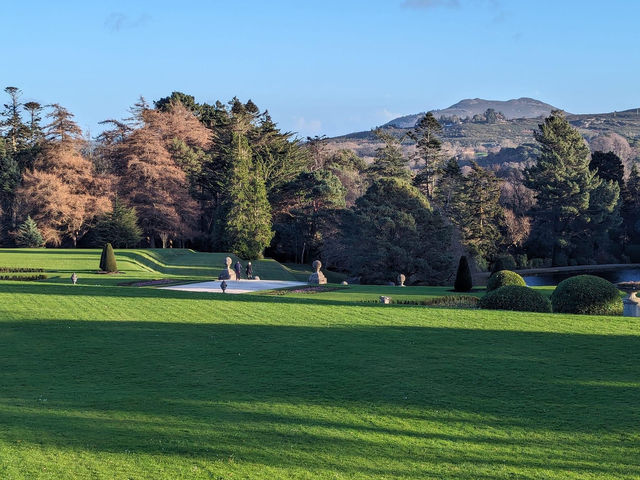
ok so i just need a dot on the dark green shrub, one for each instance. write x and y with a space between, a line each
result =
504 278
463 282
103 257
588 295
516 297
110 259
20 269
24 278
633 251
503 262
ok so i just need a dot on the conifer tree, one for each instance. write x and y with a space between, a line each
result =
248 225
428 153
28 234
110 265
390 161
575 208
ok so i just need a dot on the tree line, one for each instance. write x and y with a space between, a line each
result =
224 177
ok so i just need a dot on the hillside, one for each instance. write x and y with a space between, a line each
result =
516 108
466 139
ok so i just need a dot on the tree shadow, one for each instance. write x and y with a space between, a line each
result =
337 397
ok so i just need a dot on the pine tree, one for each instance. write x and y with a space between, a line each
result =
575 208
28 235
428 153
390 162
463 282
16 131
477 213
248 225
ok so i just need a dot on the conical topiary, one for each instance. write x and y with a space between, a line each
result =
103 257
463 282
110 259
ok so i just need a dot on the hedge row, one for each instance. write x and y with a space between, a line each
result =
20 270
24 278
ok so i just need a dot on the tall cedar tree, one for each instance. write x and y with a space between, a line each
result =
428 153
631 206
152 181
118 227
575 208
248 225
62 193
16 130
477 213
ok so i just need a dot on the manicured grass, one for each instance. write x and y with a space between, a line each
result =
103 382
134 265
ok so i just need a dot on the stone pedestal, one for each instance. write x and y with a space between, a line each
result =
317 277
227 273
631 306
400 280
385 300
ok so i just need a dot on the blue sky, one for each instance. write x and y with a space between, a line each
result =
328 67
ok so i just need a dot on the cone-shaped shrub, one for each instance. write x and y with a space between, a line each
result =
110 259
463 281
103 257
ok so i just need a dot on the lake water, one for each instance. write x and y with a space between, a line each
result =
614 276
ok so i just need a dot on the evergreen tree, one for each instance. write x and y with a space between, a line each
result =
449 187
391 229
16 131
631 206
575 208
28 235
390 162
118 227
428 147
103 259
248 225
463 282
608 166
477 213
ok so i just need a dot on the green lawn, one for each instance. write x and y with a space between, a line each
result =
105 382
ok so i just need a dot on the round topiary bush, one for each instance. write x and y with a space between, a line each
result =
504 278
587 295
516 297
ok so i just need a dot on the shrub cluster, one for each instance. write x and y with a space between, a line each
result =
24 278
503 278
588 295
516 297
504 262
20 270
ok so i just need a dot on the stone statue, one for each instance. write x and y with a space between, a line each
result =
317 278
227 273
401 278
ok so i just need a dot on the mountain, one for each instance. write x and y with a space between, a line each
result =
502 141
517 108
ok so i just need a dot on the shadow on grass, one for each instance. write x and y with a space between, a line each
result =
265 394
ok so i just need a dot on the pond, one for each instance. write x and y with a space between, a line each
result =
614 276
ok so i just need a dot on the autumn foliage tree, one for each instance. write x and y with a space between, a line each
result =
62 193
151 179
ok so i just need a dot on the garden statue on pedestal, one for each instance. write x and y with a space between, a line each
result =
227 273
317 278
631 304
401 278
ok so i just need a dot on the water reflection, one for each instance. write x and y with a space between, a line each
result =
614 276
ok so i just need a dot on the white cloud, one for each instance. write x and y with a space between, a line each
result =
307 127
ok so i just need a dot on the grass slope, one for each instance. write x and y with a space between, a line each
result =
116 382
180 264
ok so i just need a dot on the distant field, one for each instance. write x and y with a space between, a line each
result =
104 382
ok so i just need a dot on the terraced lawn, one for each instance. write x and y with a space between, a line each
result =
104 382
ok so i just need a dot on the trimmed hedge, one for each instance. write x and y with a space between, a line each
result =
20 270
24 278
110 265
587 295
516 297
504 278
504 262
463 282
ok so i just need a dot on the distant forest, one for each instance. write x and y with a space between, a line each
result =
224 177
